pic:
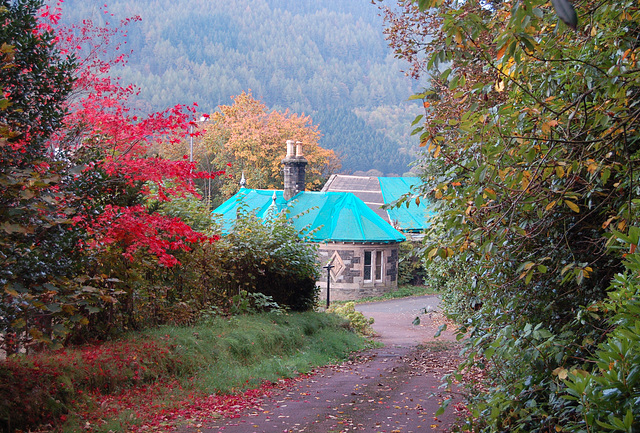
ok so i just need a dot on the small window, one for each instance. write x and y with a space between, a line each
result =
378 265
367 266
373 266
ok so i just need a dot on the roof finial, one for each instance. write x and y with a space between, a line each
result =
243 181
272 210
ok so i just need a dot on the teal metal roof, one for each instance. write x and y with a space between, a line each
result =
413 218
334 216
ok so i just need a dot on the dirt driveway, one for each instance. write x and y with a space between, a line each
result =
394 320
391 389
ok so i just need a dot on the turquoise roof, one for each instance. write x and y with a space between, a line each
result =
333 216
412 218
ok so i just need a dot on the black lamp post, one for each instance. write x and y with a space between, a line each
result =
328 268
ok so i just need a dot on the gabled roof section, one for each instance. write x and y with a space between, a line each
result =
366 188
411 218
379 191
341 217
330 216
257 201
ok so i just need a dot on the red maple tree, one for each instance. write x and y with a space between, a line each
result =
77 169
99 119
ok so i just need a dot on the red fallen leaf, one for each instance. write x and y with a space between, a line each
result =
191 406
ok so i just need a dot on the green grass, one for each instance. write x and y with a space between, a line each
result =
229 355
162 367
401 292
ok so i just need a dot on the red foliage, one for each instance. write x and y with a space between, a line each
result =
101 382
99 117
40 389
154 411
135 228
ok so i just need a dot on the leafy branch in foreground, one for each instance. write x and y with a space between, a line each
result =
532 157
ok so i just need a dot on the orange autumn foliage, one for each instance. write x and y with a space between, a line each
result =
245 137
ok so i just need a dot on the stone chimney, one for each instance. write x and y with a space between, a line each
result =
294 170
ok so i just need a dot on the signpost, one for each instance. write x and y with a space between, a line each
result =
328 268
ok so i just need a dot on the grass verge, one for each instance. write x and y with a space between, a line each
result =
401 292
170 375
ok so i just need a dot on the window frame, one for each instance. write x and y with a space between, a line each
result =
374 269
378 273
367 268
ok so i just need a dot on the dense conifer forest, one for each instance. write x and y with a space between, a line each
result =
326 59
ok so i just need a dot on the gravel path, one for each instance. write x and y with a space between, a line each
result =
391 389
394 320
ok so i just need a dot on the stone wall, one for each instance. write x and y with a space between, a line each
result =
347 275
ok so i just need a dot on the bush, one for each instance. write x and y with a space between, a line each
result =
607 398
268 257
576 379
36 390
454 277
358 322
411 270
253 303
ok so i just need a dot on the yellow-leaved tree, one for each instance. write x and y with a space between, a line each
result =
245 137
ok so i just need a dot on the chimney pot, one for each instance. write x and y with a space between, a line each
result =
290 149
299 149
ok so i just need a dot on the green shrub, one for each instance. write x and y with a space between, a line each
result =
411 270
607 397
357 321
582 377
268 257
455 278
252 303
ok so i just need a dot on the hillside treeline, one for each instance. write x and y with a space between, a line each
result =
325 59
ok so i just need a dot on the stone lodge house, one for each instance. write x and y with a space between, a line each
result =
361 246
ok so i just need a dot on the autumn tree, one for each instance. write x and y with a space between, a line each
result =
247 138
75 172
532 148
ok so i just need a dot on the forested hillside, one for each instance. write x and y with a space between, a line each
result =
327 59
